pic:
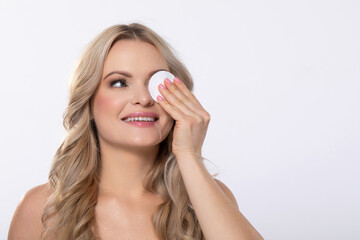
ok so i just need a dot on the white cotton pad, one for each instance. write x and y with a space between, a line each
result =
155 80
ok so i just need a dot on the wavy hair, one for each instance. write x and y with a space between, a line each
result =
74 174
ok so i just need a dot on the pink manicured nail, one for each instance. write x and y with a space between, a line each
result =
159 97
168 81
177 80
162 86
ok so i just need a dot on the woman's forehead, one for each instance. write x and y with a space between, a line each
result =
133 56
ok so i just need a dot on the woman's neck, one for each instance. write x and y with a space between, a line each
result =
123 169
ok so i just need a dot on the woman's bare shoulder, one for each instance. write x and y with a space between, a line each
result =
228 192
26 222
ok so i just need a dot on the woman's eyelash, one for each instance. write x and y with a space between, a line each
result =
122 81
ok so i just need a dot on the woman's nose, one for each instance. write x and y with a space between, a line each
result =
142 96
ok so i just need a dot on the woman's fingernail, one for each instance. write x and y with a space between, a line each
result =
177 80
162 86
159 98
168 81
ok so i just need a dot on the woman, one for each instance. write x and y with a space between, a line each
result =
116 179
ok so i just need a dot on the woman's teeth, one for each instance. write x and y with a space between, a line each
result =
141 119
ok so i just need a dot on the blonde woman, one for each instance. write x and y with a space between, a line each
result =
116 179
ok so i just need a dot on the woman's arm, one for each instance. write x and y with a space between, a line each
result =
26 223
214 204
215 208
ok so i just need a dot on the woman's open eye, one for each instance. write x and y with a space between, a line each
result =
121 81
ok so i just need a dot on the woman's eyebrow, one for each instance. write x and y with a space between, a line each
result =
126 74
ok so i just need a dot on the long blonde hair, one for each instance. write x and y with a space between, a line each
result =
74 174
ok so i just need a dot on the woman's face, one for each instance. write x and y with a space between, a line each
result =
123 90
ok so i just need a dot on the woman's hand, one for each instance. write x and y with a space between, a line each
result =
191 119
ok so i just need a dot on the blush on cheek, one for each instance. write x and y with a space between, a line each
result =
107 104
103 101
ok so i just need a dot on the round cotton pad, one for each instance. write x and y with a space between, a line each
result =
155 80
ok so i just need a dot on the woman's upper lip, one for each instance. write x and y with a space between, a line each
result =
142 114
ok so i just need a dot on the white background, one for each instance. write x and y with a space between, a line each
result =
281 80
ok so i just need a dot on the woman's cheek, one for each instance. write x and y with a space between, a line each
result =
106 103
109 105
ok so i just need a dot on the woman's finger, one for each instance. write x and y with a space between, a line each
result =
179 95
170 97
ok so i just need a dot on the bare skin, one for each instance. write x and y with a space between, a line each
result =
26 223
117 218
124 207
